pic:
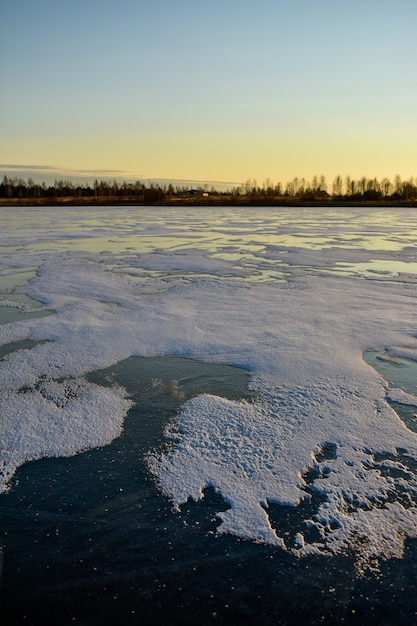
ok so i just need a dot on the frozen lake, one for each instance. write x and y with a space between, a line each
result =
201 407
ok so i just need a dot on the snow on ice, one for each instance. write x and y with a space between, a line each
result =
302 341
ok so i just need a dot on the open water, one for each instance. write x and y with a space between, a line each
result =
91 540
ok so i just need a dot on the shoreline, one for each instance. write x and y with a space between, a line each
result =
201 201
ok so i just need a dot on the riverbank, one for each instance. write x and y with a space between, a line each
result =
204 201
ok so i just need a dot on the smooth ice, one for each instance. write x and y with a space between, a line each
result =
262 291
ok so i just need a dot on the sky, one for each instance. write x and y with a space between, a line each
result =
226 90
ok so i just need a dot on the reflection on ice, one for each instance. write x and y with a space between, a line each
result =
380 268
293 237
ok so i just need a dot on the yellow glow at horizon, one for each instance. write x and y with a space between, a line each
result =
224 156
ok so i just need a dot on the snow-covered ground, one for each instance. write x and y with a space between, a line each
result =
296 296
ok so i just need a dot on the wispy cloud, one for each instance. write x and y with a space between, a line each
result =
19 167
48 173
63 171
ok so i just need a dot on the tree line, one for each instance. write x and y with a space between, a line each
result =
299 189
17 188
347 188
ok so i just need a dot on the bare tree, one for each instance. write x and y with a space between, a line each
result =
337 186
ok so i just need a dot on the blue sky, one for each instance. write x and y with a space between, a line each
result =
226 90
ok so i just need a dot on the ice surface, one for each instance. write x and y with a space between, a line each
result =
398 395
302 341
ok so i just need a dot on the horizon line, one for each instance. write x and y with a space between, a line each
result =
52 172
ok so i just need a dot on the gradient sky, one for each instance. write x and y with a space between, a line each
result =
224 90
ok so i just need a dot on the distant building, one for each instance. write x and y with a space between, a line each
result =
195 192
